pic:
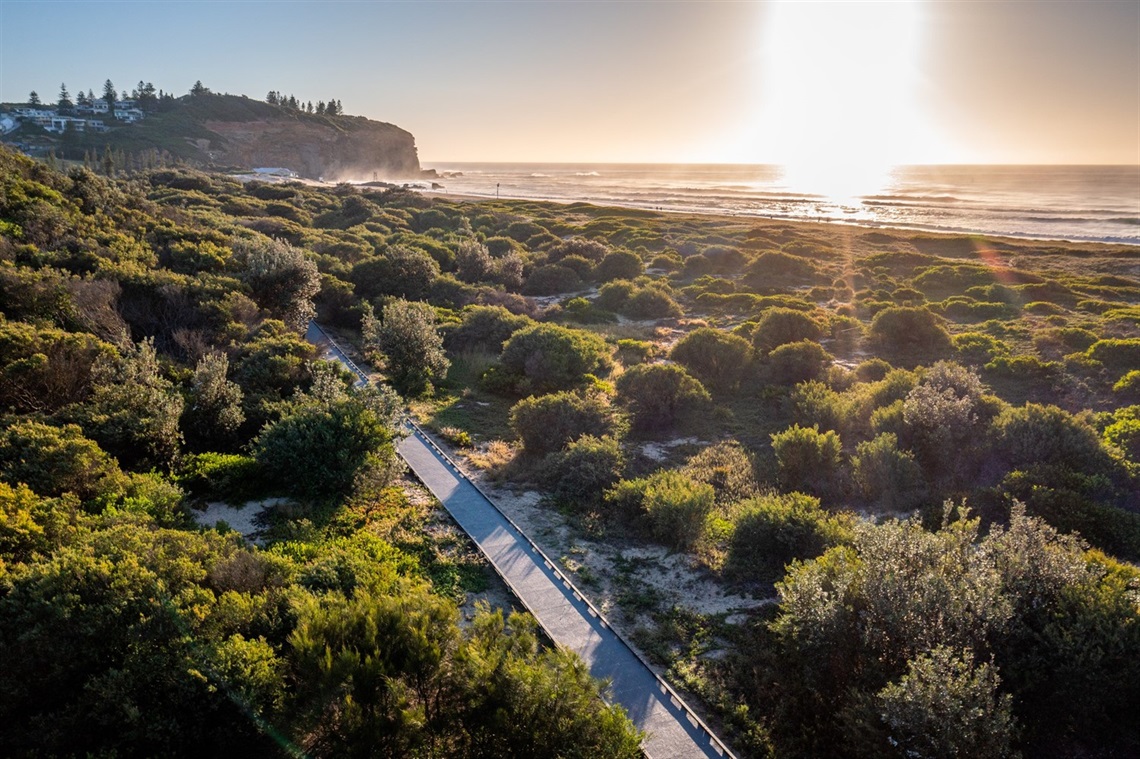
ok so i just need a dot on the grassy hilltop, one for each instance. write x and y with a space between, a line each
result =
905 466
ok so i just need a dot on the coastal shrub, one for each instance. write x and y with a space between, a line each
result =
715 357
473 261
1116 353
579 474
591 250
631 352
796 362
547 423
807 460
56 460
551 279
231 477
552 358
583 267
908 334
888 478
978 348
1036 434
620 264
941 281
671 504
781 325
400 272
1128 386
659 396
484 328
651 303
613 296
771 531
775 270
729 468
412 347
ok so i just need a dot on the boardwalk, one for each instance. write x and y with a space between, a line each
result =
672 731
565 616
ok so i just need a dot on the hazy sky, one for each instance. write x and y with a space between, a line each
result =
700 81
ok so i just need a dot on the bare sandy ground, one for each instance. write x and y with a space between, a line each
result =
243 519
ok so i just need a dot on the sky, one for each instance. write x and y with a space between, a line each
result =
702 81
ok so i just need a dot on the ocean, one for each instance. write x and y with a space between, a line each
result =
1079 203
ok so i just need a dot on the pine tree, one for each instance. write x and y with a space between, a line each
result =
339 108
109 96
271 98
65 103
320 106
33 98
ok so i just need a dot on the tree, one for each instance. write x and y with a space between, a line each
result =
715 357
407 337
549 357
673 505
199 89
146 96
214 414
547 423
65 103
33 98
329 437
133 411
661 395
109 96
280 278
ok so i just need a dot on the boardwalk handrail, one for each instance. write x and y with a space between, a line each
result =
343 356
716 742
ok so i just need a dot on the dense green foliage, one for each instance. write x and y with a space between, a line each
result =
151 356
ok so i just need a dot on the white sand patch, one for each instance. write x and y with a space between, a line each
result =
243 519
659 450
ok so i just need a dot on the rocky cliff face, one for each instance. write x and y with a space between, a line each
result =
347 148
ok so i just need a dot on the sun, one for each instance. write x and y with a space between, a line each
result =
839 93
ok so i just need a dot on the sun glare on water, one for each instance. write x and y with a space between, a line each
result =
839 92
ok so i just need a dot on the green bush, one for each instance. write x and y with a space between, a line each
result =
807 459
651 303
484 328
621 264
797 362
1116 353
771 531
552 358
886 476
909 334
578 475
229 477
779 326
715 357
547 423
1035 435
661 395
552 279
673 506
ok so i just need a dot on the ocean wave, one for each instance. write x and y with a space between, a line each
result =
586 174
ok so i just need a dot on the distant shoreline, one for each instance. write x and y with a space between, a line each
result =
831 224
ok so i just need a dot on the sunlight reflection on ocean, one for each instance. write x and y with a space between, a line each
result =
1084 203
